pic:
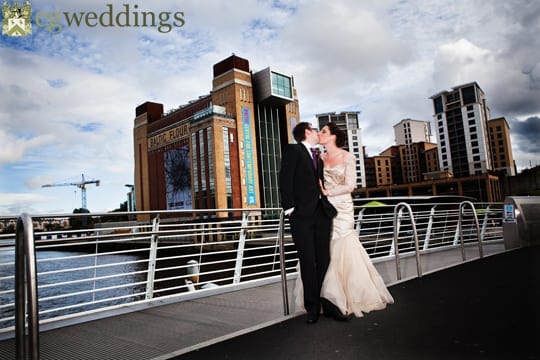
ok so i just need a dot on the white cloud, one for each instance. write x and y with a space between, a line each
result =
69 99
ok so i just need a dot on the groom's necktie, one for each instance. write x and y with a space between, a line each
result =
314 157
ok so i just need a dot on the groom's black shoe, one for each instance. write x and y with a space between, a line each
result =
312 317
331 310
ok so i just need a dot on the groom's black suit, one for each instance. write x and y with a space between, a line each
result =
310 225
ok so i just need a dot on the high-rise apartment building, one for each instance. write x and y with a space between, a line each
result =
409 131
461 121
412 137
221 150
501 147
348 122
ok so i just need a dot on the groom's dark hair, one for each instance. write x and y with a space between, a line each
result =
299 131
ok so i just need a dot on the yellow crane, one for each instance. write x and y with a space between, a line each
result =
81 185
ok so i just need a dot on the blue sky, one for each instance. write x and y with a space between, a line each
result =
68 99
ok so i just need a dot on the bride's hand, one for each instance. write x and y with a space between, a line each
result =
323 190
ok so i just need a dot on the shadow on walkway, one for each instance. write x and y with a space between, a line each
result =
483 309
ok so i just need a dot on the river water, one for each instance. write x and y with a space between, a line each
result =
81 281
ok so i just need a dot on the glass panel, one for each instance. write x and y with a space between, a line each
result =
281 85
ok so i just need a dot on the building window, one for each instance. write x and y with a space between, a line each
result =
469 95
281 85
438 105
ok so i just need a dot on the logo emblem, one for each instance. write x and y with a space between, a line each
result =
16 19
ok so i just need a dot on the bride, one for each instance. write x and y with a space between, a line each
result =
351 283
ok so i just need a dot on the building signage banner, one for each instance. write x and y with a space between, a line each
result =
248 156
168 137
178 178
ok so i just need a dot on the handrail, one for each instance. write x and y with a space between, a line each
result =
460 227
415 234
283 269
26 297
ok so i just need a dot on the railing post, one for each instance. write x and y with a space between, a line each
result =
415 234
397 226
281 236
484 224
240 250
358 225
429 228
26 297
460 225
152 258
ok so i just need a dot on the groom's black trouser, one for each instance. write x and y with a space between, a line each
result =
311 236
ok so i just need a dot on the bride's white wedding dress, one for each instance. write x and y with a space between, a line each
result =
351 283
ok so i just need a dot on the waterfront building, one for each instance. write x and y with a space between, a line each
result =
379 170
348 122
409 131
461 121
415 162
409 134
221 150
501 147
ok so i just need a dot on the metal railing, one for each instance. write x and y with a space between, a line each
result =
397 223
179 255
26 296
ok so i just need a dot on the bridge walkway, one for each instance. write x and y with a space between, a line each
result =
204 325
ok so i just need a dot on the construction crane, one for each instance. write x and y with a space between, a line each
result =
81 185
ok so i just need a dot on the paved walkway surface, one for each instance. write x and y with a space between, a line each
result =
215 322
483 309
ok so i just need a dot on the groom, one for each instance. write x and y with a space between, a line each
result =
310 221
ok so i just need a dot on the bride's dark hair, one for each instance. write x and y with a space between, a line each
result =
340 134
